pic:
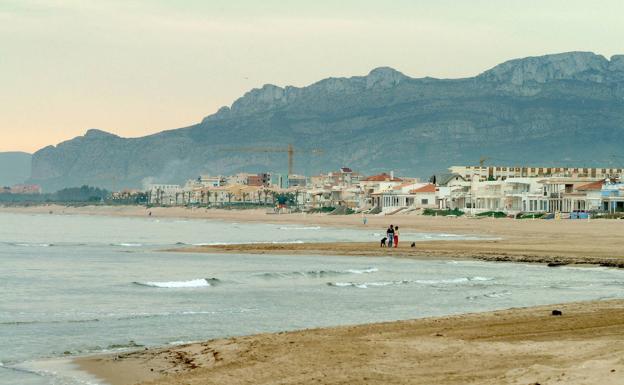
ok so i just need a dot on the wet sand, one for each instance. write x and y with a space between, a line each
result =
554 254
520 346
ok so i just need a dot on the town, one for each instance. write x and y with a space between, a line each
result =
474 190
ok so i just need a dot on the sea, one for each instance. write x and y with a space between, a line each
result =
79 285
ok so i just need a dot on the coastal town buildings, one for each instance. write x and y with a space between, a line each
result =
504 172
473 190
22 189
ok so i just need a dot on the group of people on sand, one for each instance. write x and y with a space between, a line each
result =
392 236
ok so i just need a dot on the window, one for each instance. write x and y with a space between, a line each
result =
424 201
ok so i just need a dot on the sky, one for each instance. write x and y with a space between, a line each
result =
135 67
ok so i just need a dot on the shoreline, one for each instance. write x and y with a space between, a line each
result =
518 345
515 346
596 241
482 250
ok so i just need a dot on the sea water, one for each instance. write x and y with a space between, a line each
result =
76 285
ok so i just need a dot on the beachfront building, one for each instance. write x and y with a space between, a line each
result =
343 177
297 181
165 194
511 195
483 173
612 196
406 196
451 190
373 185
568 194
260 179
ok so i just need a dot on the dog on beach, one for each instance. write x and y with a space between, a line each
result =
413 244
383 242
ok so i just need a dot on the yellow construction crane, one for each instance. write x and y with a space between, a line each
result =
482 160
290 150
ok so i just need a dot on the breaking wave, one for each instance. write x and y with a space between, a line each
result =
25 244
193 283
366 285
300 228
495 294
452 280
316 273
127 244
433 282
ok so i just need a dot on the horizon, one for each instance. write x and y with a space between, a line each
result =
139 68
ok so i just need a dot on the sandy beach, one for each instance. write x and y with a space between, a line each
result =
517 346
520 346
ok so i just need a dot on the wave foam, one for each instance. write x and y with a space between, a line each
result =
494 294
300 228
365 285
24 244
193 283
317 273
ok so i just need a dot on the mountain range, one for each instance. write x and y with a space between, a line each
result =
563 109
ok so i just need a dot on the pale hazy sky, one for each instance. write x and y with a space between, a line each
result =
135 67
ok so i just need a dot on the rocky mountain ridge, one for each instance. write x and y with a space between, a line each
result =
554 109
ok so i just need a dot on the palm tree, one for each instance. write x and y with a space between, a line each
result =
266 195
229 196
208 193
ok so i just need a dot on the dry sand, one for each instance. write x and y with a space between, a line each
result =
519 346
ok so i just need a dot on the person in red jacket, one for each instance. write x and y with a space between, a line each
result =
396 236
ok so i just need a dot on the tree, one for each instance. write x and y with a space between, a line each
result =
267 192
285 198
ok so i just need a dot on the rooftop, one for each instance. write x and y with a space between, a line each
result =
383 177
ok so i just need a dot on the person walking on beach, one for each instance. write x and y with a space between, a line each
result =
396 237
390 235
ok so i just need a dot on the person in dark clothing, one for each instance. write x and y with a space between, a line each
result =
390 235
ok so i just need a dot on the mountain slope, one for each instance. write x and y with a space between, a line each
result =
556 109
14 167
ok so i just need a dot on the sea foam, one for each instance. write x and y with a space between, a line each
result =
317 273
193 283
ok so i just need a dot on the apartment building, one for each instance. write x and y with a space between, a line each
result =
504 172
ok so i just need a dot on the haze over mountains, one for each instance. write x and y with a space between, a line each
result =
14 167
562 109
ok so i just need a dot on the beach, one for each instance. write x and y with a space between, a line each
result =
585 345
514 346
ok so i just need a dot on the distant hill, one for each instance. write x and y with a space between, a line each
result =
562 109
14 167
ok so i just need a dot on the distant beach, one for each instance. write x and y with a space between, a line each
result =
597 241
